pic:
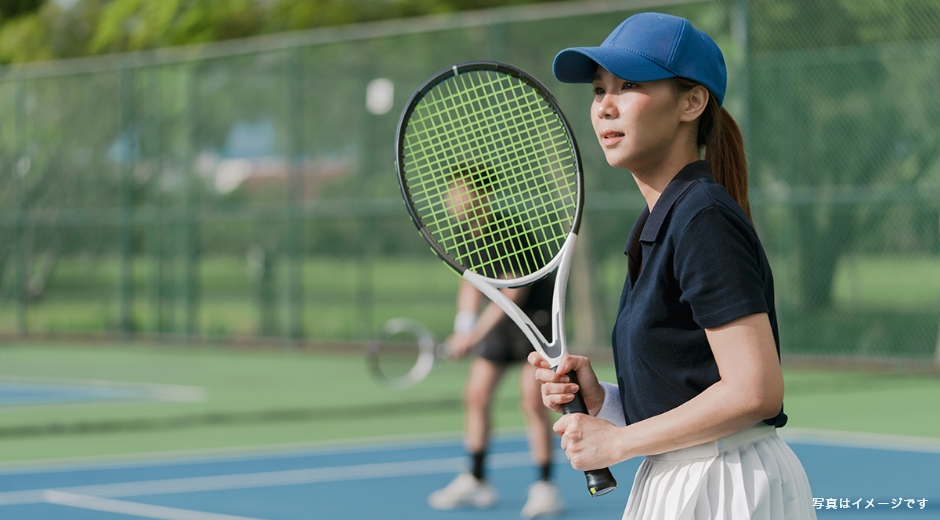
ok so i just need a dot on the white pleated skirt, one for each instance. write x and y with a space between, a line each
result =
752 474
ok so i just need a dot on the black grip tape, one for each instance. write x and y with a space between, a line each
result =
599 481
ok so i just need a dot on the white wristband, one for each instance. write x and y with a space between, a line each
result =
611 411
464 321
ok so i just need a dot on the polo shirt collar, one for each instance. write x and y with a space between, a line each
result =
677 186
633 250
649 224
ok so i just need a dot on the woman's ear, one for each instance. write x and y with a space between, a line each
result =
693 103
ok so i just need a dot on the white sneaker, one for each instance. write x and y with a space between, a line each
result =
465 490
544 500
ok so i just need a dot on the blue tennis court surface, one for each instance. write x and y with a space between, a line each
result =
391 481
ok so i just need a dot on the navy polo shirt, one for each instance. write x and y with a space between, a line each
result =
695 262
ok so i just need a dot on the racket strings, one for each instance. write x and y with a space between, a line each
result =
488 160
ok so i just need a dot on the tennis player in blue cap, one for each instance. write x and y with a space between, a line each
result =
699 388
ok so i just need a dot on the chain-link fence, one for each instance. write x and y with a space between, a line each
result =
247 190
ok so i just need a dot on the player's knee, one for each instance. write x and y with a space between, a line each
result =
533 406
476 397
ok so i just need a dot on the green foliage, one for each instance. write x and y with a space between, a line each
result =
842 87
25 39
127 25
31 30
14 8
52 32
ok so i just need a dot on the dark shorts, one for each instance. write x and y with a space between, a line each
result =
506 344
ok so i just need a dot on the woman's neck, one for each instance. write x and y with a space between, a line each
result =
652 182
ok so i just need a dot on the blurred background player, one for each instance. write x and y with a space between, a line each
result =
497 343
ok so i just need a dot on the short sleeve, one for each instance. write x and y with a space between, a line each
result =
719 269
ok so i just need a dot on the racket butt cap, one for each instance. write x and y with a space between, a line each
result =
600 492
600 482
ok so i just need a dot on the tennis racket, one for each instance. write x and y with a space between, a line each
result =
403 353
491 175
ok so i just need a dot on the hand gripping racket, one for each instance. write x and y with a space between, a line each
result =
490 172
403 353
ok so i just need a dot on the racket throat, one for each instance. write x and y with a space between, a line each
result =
550 350
554 352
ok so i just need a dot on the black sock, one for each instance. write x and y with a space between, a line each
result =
478 464
545 471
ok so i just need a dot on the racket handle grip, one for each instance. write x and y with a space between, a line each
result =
599 481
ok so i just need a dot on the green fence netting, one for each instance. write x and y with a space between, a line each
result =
246 190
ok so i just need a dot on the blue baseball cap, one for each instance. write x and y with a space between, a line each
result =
649 47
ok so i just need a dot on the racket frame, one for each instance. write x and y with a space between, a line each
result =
429 350
552 350
599 481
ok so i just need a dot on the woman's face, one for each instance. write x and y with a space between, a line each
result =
635 123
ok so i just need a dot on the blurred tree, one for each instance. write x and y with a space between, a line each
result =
58 29
14 8
33 30
127 25
826 71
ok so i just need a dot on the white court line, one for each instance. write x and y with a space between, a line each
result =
423 467
256 452
870 441
410 441
268 478
132 508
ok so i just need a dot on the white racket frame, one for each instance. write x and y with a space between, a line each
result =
552 350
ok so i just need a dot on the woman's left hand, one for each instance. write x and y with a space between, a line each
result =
589 442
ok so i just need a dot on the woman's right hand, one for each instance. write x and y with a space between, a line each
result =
557 388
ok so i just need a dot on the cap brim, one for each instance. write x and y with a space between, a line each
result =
579 65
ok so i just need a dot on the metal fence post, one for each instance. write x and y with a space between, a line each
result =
740 33
155 236
20 168
294 231
128 160
191 216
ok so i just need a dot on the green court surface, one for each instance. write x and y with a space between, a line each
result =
214 398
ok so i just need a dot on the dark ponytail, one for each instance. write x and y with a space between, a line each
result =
724 147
